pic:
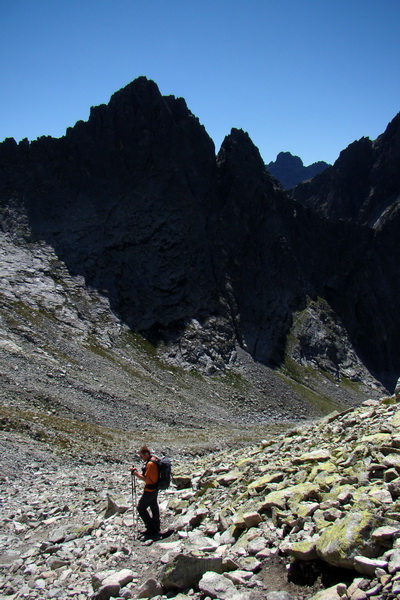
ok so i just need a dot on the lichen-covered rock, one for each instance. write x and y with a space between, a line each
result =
348 537
304 550
293 494
262 482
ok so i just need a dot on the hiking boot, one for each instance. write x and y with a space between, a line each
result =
152 533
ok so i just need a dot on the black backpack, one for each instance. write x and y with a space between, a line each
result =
164 472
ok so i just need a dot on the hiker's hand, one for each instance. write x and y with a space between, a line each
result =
133 470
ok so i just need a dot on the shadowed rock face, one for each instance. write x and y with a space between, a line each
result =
123 199
204 252
363 189
262 276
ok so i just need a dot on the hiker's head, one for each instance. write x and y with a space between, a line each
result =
144 452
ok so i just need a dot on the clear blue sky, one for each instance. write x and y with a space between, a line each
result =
305 76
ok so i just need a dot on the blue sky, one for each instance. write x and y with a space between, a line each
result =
305 76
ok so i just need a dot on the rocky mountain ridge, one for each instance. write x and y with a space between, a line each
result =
200 254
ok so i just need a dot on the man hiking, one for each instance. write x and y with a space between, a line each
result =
148 500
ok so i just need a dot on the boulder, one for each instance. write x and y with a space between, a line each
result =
182 481
368 566
332 593
304 550
348 537
186 570
149 589
385 535
114 508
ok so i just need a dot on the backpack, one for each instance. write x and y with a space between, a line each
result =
164 472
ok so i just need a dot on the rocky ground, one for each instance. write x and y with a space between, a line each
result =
310 513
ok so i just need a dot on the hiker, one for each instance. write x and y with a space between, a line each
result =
148 500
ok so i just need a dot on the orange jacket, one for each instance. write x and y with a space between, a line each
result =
150 474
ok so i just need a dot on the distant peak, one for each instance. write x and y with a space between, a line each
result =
286 158
290 170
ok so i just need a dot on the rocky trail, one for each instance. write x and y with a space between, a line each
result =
310 513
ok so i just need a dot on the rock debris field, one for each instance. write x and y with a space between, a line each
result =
312 513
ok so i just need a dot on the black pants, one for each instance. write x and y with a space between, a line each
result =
149 500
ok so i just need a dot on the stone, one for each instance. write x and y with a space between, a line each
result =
58 535
192 518
256 546
57 563
394 562
196 540
238 576
381 496
252 519
182 481
359 595
249 563
149 589
229 478
392 461
394 488
396 588
385 534
296 493
121 578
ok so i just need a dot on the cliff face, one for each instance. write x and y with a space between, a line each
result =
362 190
202 253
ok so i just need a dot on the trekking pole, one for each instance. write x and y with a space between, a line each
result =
134 516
